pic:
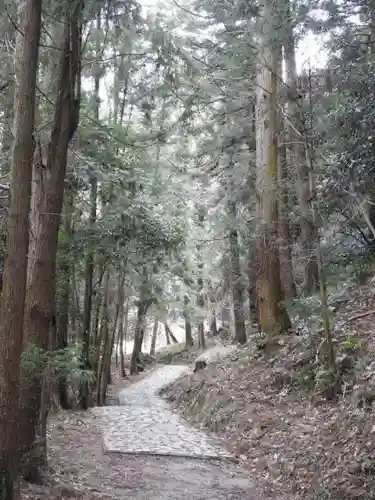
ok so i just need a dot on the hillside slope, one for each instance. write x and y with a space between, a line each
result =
276 410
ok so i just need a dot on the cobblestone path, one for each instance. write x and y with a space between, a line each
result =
154 455
145 424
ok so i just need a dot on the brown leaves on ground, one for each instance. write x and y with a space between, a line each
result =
271 409
78 467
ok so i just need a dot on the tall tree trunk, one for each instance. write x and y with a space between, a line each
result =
154 336
236 275
122 336
99 321
40 314
138 335
297 155
120 316
285 236
108 343
89 259
232 318
103 347
188 330
143 305
213 324
121 291
97 304
201 336
15 269
273 316
167 338
212 311
251 291
9 33
75 310
98 327
200 297
64 302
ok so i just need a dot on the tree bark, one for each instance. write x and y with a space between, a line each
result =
200 283
236 275
285 236
122 336
143 305
213 325
188 330
15 269
167 338
102 355
252 287
89 260
65 270
121 291
211 307
138 335
40 313
154 336
273 316
120 316
297 154
170 333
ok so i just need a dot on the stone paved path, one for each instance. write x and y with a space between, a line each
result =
154 455
145 424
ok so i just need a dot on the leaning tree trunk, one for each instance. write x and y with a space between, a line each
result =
297 156
40 315
169 332
273 316
167 337
15 269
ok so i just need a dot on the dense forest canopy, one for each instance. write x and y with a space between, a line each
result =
182 166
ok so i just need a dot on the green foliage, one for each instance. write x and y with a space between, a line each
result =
351 343
306 311
305 377
62 364
316 377
66 364
363 267
34 361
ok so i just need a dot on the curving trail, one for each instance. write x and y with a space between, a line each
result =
163 458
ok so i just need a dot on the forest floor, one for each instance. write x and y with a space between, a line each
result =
275 409
149 453
268 408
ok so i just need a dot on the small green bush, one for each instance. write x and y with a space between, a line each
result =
63 364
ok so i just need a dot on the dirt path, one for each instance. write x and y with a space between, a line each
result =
142 457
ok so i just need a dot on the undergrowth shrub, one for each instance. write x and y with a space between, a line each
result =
59 365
